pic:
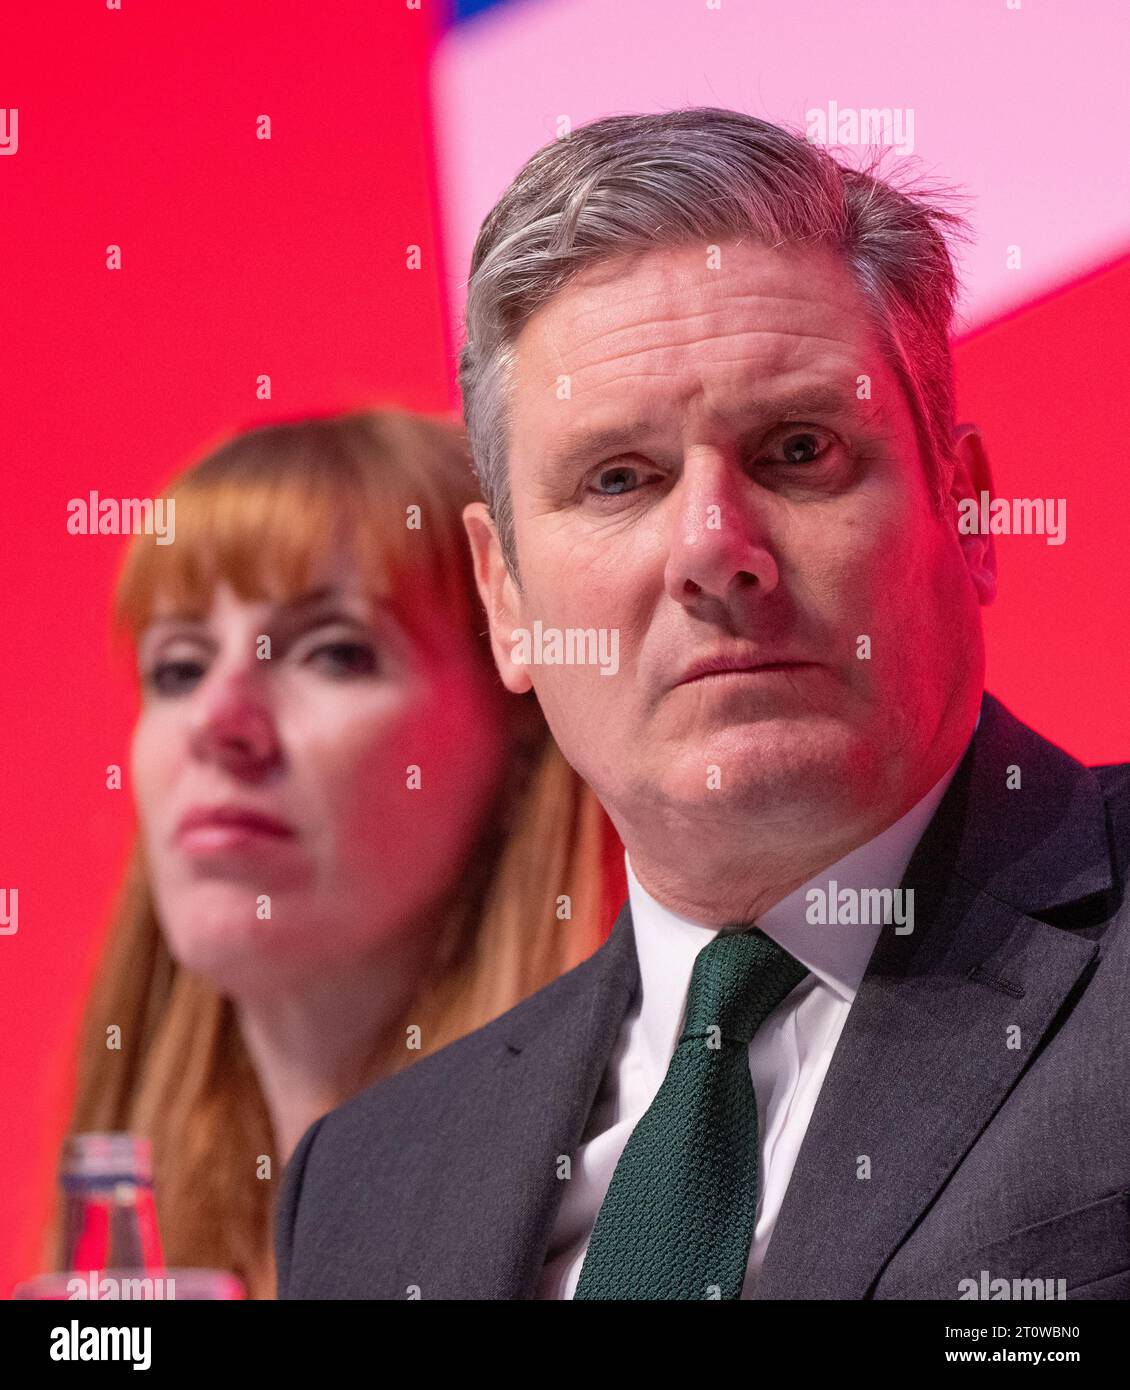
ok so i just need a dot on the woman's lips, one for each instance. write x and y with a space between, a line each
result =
207 830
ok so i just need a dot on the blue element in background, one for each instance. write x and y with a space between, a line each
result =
464 9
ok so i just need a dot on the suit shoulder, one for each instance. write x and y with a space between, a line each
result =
436 1077
1114 778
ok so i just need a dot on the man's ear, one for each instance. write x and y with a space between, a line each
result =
971 477
498 592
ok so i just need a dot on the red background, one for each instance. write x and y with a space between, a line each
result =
287 256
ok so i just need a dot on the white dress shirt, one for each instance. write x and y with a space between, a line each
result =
788 1056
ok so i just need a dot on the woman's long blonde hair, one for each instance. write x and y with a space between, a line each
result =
539 889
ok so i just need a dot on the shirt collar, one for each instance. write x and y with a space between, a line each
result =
667 943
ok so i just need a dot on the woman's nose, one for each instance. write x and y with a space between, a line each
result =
233 724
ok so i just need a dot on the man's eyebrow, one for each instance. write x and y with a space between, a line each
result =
808 400
581 443
804 401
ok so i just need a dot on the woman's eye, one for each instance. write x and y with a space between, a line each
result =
803 446
345 658
174 677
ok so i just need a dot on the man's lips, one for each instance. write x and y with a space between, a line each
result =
708 668
206 828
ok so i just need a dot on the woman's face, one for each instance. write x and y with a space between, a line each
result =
309 778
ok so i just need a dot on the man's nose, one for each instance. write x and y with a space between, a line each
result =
719 546
232 722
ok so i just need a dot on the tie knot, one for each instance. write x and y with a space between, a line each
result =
739 978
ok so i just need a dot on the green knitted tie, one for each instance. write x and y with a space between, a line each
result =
678 1218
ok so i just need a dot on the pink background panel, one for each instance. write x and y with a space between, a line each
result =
1027 110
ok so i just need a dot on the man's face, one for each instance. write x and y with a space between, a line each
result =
763 502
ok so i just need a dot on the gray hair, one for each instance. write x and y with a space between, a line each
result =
632 183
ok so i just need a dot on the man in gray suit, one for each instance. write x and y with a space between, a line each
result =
859 1029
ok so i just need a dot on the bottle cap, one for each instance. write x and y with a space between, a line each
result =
107 1158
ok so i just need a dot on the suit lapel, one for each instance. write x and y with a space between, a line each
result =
553 1061
948 1016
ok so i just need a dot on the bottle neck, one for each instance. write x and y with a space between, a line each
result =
110 1227
109 1215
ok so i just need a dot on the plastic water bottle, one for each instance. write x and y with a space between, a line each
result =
109 1216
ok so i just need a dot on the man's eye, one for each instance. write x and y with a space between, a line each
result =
620 478
174 677
345 658
802 446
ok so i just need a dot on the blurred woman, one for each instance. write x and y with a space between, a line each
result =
354 845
